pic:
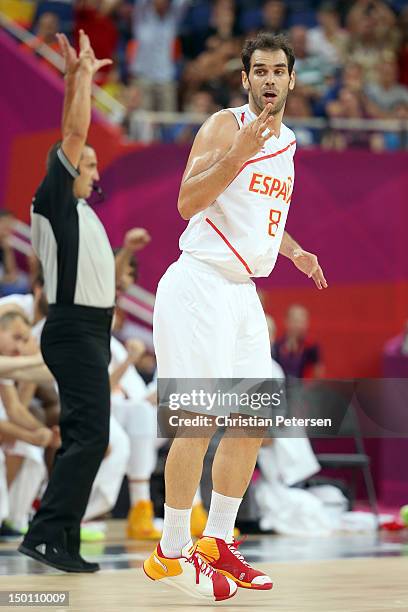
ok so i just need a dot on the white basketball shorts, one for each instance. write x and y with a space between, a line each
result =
206 326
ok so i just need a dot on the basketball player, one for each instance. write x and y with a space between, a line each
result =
208 320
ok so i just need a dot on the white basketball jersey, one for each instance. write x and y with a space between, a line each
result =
241 232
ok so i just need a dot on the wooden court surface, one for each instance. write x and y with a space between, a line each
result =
345 585
311 584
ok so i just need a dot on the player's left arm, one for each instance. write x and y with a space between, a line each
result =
306 262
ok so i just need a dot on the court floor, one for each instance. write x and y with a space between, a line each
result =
342 573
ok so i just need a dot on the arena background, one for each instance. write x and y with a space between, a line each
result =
349 207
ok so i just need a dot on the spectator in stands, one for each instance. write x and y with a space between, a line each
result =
310 70
8 266
11 280
297 356
45 36
155 29
201 104
274 16
11 484
97 19
222 24
46 29
212 69
403 51
386 93
113 84
348 105
63 9
373 31
25 462
132 119
350 78
298 107
328 40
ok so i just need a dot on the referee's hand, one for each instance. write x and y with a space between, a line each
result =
87 56
69 54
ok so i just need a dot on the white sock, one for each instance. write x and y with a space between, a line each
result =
197 497
222 516
176 531
139 491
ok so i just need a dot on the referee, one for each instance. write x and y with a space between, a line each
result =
79 272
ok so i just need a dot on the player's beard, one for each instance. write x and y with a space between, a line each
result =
260 103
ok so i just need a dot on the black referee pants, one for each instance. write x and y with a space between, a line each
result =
75 344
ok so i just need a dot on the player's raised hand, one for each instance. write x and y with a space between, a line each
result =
87 56
250 139
308 264
69 54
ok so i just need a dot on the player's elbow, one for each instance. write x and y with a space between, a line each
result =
184 209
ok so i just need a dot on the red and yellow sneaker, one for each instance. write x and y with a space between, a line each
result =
227 560
189 573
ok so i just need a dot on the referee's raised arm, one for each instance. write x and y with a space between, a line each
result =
76 117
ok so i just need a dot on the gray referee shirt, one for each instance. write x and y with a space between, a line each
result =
71 242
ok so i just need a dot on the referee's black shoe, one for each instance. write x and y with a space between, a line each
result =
88 565
58 557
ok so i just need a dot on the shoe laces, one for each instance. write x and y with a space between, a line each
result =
233 547
201 567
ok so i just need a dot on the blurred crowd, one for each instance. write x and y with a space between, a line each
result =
184 55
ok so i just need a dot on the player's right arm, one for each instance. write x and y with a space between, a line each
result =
218 152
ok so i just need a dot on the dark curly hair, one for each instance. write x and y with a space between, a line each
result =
268 42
